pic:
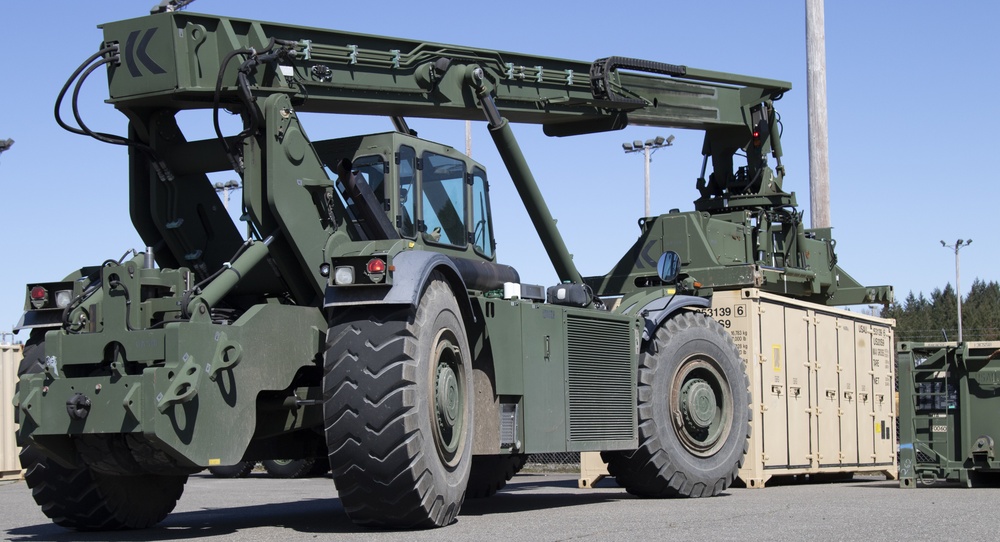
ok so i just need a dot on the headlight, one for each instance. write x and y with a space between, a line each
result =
343 275
63 297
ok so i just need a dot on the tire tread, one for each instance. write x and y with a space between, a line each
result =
649 471
372 419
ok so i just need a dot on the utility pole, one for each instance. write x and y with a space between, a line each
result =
819 160
648 148
958 285
468 138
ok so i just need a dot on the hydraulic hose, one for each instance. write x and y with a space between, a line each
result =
79 76
106 138
65 88
251 115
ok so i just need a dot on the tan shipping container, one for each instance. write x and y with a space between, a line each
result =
10 357
821 381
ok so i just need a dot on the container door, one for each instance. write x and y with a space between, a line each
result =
865 377
10 358
883 394
797 375
774 419
827 386
848 392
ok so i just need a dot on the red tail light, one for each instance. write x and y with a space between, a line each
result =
39 293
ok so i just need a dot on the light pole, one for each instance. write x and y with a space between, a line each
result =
648 148
958 285
224 189
6 144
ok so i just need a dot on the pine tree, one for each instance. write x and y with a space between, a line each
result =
981 312
944 312
919 319
919 326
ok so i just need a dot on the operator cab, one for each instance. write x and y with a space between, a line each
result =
431 193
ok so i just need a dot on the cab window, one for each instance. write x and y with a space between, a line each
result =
373 169
443 200
482 227
407 197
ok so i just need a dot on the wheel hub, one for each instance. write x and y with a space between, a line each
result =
447 400
698 404
701 405
448 410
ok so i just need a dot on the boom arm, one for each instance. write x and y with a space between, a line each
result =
180 54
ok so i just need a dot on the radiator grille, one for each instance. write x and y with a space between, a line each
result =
600 379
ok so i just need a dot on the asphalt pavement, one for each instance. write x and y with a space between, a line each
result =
551 507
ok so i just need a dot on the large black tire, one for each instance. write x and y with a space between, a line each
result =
239 470
33 355
83 499
398 410
32 361
490 473
694 413
295 468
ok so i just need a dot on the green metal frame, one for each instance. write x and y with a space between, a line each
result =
949 394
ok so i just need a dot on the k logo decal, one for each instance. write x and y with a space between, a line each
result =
133 51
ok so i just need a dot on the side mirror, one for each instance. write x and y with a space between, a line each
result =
668 266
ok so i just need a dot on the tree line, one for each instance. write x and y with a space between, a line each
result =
923 319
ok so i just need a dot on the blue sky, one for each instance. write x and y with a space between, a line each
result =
909 91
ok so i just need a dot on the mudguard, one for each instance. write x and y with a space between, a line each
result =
412 270
658 310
